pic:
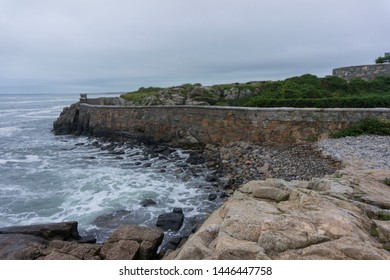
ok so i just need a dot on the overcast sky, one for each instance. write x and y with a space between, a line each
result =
120 45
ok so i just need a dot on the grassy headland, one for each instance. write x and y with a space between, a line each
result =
304 91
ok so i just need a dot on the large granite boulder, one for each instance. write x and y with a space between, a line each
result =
21 246
140 243
326 218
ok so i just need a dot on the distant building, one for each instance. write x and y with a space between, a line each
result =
387 57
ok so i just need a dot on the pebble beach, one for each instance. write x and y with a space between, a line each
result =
365 151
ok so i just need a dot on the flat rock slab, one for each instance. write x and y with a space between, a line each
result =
276 219
59 231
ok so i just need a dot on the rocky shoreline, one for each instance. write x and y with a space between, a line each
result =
310 201
345 215
227 169
61 241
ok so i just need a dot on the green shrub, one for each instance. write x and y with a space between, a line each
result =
369 125
374 232
382 59
384 216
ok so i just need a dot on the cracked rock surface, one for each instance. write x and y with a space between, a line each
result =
328 218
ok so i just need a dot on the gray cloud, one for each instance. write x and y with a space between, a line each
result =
116 45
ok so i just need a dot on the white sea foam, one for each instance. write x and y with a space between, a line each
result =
8 131
50 179
25 159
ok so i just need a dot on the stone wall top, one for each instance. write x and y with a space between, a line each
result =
232 108
368 72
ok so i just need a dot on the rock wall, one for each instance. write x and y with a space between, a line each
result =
201 125
368 72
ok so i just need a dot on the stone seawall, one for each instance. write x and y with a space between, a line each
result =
368 72
197 125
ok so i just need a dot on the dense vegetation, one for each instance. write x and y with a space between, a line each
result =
375 126
304 91
310 91
382 59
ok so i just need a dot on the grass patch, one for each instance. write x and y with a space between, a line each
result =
374 232
371 125
387 181
141 94
384 216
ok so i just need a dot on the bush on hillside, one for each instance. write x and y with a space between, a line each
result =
371 125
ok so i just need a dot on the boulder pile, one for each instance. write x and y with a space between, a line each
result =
61 241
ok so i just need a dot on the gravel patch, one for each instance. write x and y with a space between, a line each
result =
240 162
368 151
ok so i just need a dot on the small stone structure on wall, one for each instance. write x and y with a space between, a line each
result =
367 72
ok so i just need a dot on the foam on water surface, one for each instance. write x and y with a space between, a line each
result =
47 178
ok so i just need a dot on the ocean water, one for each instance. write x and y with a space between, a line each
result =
46 178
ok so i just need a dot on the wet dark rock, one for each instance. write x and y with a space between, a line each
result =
138 163
89 239
173 243
223 195
196 159
118 152
126 242
171 221
212 196
96 144
177 210
158 149
113 219
59 231
182 165
148 164
168 152
211 178
148 202
89 157
80 144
